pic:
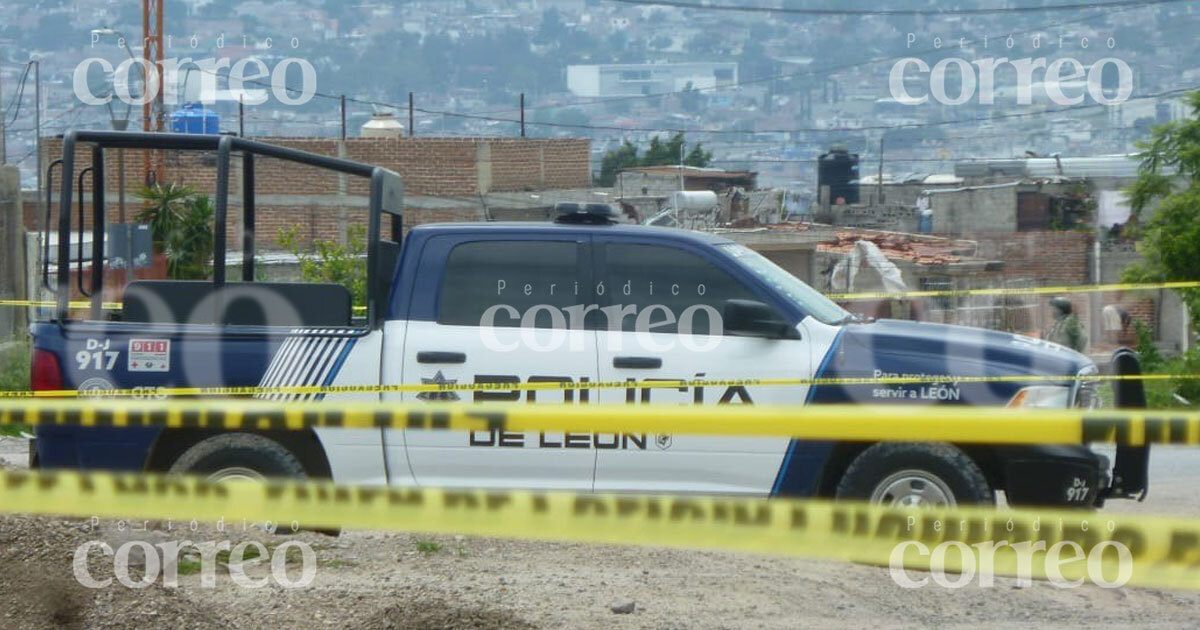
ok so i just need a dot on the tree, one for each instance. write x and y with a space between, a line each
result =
665 153
552 29
659 153
615 161
1169 184
181 226
164 210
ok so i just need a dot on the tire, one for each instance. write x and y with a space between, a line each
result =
239 456
247 456
904 474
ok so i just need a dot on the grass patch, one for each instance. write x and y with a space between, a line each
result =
428 546
188 567
14 367
14 376
336 564
249 553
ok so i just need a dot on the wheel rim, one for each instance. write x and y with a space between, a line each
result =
235 473
913 488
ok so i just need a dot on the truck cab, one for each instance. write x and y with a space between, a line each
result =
582 299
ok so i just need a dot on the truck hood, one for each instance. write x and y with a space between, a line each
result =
895 348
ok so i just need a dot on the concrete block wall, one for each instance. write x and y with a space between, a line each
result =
975 210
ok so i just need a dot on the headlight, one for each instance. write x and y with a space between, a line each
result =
1042 397
1088 396
1087 393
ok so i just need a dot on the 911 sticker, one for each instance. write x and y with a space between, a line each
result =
149 355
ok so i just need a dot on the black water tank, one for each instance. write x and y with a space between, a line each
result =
838 169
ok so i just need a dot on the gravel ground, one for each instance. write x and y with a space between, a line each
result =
382 580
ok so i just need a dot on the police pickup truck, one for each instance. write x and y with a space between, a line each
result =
576 300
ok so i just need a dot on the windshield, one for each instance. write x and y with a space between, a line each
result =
807 298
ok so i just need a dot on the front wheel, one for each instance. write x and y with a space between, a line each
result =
903 474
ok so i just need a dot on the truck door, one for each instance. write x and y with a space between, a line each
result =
664 291
502 314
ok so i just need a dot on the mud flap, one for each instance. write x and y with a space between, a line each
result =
1131 472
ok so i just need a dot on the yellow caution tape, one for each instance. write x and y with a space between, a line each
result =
902 423
1095 288
107 306
969 542
252 390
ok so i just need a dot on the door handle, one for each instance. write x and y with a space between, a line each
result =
637 363
441 357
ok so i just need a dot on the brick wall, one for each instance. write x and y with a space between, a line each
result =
1055 258
1065 258
429 166
438 167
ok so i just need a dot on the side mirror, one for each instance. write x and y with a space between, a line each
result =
749 318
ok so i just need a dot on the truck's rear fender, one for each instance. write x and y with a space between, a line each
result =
103 356
127 356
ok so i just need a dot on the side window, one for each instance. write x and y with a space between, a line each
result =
507 282
664 284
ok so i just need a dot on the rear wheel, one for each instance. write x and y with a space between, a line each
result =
239 456
915 475
242 457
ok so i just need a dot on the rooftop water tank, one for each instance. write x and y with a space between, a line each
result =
838 170
383 125
195 118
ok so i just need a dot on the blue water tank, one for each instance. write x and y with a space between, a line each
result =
195 118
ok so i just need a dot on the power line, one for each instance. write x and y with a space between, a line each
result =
893 12
26 156
19 94
45 123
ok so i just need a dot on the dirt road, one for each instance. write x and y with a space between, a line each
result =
378 580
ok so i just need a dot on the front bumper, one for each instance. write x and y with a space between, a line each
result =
1054 476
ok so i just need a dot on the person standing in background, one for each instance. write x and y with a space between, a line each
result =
1066 329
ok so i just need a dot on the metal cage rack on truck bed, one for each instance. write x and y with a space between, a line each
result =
386 196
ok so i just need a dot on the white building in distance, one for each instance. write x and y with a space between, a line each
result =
632 79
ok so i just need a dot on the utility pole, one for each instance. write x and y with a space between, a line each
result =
37 138
411 129
522 114
879 181
682 143
241 117
343 102
152 110
3 130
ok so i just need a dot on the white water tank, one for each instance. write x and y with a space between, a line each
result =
383 125
700 200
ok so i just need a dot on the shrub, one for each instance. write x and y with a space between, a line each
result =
330 261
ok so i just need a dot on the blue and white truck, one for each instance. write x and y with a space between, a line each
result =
580 299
